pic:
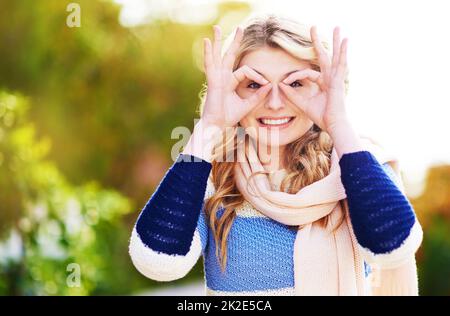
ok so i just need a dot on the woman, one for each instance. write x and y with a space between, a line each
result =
306 207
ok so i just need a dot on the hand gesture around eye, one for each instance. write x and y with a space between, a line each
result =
223 107
327 107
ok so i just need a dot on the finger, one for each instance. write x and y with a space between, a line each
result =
217 47
292 95
246 72
207 55
309 74
230 55
336 47
257 98
342 64
320 50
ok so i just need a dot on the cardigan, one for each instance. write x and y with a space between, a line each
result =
171 232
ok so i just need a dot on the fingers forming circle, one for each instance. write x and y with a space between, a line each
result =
245 72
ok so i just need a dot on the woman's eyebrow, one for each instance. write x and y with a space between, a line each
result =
285 75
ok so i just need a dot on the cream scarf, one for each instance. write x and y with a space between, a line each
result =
325 263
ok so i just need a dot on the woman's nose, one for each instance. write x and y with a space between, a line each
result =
275 102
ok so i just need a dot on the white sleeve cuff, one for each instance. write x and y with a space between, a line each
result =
399 256
160 266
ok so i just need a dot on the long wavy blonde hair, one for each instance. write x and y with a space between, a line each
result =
307 159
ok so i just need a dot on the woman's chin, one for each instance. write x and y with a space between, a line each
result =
270 137
262 141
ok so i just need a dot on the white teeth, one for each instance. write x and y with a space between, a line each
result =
275 122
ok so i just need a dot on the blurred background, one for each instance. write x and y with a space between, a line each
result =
86 115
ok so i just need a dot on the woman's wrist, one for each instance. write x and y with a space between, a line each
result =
345 138
202 140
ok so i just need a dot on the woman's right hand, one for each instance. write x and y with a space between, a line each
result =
223 107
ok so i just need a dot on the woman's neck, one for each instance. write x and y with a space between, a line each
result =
272 157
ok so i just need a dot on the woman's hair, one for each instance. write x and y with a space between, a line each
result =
307 159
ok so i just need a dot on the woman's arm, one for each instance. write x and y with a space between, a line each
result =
169 234
383 219
160 266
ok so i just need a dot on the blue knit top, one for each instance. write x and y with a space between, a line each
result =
171 232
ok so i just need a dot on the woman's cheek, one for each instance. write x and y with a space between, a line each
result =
301 127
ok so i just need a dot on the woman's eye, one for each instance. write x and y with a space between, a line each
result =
254 85
296 84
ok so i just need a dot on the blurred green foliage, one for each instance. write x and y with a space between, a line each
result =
101 92
107 96
433 209
86 116
50 223
82 109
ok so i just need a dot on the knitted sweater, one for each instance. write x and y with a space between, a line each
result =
171 232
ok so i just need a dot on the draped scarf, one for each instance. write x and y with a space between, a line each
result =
327 259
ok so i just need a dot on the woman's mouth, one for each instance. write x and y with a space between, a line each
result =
275 122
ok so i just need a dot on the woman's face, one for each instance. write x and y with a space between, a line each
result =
276 121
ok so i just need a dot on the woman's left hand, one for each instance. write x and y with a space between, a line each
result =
327 107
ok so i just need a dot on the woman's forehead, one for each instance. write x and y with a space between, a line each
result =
273 63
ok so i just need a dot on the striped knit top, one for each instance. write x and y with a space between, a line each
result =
172 233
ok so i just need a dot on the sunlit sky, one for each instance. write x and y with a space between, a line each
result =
399 59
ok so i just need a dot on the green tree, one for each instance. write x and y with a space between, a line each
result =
53 223
107 96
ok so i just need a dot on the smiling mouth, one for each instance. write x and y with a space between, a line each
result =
275 122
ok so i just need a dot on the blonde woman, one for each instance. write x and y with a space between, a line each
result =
306 206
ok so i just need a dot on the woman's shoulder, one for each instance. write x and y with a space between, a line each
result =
244 210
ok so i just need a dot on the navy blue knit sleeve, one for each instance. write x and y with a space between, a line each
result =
168 221
381 215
